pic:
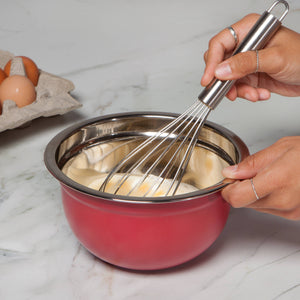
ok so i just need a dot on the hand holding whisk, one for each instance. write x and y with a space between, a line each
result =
145 159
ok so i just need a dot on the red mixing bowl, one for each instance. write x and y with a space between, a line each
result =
137 232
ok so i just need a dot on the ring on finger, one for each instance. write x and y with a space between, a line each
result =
233 33
254 190
257 61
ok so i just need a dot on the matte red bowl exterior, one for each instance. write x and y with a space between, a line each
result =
145 236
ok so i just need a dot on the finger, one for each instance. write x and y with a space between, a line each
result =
239 194
276 200
232 94
243 26
224 43
242 64
270 188
244 194
251 93
205 56
219 45
247 88
247 92
252 164
237 66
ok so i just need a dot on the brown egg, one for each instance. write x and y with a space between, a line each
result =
19 89
2 77
31 69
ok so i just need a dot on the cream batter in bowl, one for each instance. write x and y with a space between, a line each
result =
91 166
138 232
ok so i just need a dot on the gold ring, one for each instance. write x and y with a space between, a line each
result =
253 188
233 33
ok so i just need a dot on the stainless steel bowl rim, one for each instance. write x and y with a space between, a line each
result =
53 145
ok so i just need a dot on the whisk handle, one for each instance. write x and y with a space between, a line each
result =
256 39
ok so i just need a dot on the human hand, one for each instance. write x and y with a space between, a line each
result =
279 63
275 172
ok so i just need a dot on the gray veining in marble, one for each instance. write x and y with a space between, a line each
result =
131 56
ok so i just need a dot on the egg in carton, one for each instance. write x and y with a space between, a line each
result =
52 96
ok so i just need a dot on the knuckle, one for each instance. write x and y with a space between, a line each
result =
251 17
243 63
280 57
288 143
284 140
231 197
250 162
212 41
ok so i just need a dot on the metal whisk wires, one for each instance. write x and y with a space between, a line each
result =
176 141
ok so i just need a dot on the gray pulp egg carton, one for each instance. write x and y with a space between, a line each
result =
52 98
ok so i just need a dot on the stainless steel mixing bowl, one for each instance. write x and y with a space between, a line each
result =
138 232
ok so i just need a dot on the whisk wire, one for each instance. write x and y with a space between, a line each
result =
165 133
190 116
199 114
184 163
139 148
193 118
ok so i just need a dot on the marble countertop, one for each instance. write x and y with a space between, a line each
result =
133 56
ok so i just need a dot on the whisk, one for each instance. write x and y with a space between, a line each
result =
177 140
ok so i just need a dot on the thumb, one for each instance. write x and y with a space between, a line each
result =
252 164
246 169
242 64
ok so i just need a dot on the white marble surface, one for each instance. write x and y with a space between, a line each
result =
128 56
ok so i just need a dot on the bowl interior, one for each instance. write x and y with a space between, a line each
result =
95 147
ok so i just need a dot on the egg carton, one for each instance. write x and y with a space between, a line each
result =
52 98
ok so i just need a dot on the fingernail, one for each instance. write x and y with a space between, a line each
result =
248 97
230 171
264 95
223 69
